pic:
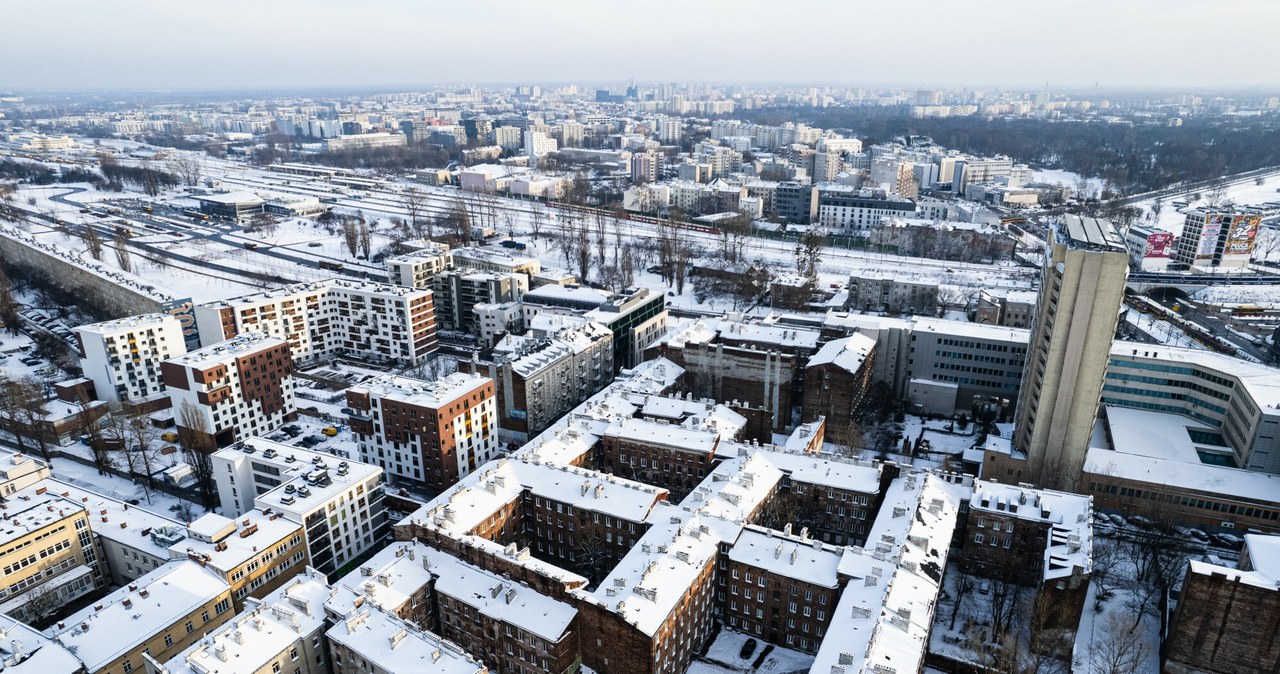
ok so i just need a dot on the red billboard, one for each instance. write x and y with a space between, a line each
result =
1159 244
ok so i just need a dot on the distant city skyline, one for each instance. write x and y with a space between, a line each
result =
239 45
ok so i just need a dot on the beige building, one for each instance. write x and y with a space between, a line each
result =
254 554
1079 304
284 632
159 616
48 554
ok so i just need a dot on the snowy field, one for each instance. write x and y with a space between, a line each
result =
1244 192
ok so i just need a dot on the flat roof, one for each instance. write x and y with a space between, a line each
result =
229 198
1070 519
1086 231
128 323
227 351
265 531
430 394
113 519
325 476
25 650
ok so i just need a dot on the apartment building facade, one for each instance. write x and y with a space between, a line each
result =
539 379
336 318
158 616
122 357
416 269
456 293
339 502
255 554
1079 306
238 388
48 554
431 433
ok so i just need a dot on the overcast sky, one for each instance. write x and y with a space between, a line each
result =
297 44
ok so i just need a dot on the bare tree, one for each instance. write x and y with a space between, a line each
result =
8 206
1266 243
42 604
23 410
198 445
9 307
92 242
366 239
414 202
462 221
351 235
188 167
808 253
142 435
121 245
1116 649
536 219
92 430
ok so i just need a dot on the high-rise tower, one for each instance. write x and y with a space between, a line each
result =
1080 292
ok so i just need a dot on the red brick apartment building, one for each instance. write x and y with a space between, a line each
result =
232 390
431 433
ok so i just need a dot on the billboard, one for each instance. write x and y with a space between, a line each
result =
1213 224
182 310
1159 244
1240 238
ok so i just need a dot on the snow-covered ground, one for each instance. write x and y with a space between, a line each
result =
724 652
1065 178
118 487
1243 192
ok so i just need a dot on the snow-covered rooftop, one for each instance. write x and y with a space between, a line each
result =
231 543
398 647
882 620
649 432
133 614
323 475
24 650
110 518
792 556
1171 465
227 351
127 324
647 585
430 394
257 635
847 354
1069 516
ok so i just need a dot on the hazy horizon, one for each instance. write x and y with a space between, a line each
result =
236 45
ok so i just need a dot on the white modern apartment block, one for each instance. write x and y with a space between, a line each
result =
234 389
537 144
328 319
338 501
429 432
416 269
122 357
